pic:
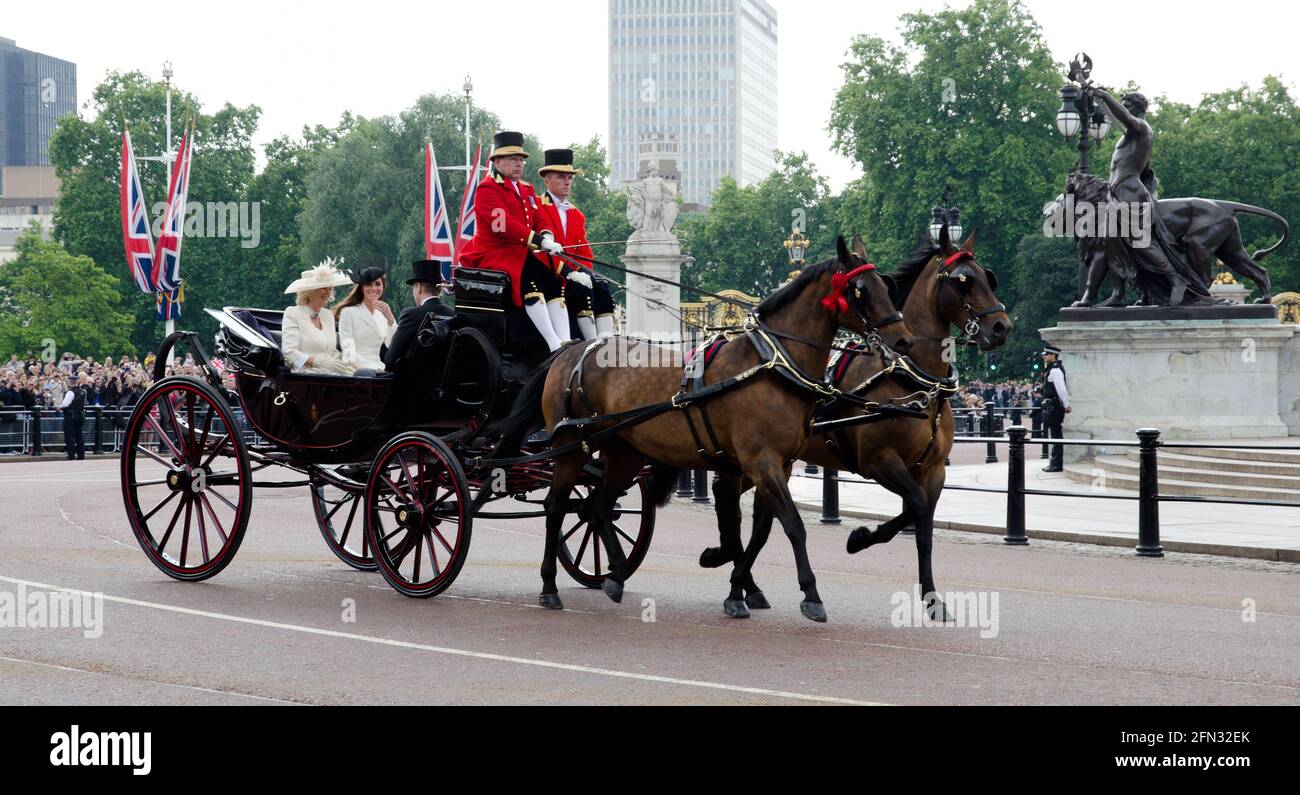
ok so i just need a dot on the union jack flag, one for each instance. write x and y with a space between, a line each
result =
437 227
167 264
135 221
168 304
467 225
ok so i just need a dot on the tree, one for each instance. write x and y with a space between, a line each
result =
50 294
87 219
969 99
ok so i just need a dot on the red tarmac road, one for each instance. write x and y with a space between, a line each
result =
1075 624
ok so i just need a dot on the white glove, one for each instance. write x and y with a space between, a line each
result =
550 246
581 277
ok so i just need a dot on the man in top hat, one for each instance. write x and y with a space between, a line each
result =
426 286
508 231
1056 404
588 299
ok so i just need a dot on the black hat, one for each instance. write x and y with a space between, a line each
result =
373 268
426 270
507 143
1049 348
559 160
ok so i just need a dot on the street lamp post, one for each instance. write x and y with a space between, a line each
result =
796 248
946 214
1078 114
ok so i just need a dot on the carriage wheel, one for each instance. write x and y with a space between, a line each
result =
186 480
342 523
418 519
583 554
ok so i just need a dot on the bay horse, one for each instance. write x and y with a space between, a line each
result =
938 287
767 381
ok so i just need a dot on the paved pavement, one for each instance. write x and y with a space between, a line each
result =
1270 533
1076 624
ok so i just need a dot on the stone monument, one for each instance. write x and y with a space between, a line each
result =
652 249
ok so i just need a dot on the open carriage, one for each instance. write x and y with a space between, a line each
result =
390 464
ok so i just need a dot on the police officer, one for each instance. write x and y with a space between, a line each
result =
1056 403
74 408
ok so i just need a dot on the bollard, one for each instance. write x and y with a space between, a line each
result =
809 469
1016 487
684 486
830 496
1037 413
1015 416
97 446
991 456
701 486
1148 495
36 430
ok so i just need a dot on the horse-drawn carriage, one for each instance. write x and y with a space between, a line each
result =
392 465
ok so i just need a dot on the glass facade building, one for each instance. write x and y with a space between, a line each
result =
702 70
36 91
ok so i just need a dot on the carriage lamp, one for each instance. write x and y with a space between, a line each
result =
1068 118
945 214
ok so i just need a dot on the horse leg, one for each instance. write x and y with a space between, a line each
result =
770 479
622 465
726 496
933 481
889 471
737 604
563 478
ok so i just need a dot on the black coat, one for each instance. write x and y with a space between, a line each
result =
408 324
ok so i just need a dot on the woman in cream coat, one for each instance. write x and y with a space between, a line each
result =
307 335
366 323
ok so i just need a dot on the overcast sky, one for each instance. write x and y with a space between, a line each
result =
305 63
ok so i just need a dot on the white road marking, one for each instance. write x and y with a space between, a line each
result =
152 681
478 655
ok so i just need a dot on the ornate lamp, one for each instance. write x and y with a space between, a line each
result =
1068 118
1100 125
796 246
946 214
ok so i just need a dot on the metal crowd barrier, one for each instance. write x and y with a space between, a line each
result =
40 430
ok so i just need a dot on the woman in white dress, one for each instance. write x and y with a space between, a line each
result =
307 335
366 323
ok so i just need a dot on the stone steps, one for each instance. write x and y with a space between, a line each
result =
1270 456
1176 481
1175 457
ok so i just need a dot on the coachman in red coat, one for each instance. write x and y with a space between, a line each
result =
509 231
589 299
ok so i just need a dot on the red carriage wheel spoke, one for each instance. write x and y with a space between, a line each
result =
390 535
433 553
573 530
347 528
583 547
155 456
396 491
595 551
170 497
175 422
167 535
189 415
419 472
213 454
415 576
203 533
185 537
222 497
337 506
405 546
406 473
207 426
143 483
450 549
221 531
176 454
629 538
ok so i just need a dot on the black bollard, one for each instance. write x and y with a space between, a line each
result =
1039 432
684 486
1148 495
809 469
36 430
991 455
97 444
701 486
830 496
1016 487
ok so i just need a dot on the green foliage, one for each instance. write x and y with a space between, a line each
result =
1043 270
49 294
737 243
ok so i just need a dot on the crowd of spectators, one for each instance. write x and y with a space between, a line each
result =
1022 393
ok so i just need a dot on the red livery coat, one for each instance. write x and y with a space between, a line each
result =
507 228
575 235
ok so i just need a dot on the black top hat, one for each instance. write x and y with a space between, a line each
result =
559 160
507 143
1049 348
426 270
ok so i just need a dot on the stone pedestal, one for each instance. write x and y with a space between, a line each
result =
1223 372
652 306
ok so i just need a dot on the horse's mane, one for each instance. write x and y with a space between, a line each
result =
788 293
905 275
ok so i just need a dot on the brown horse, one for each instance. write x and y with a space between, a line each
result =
938 287
755 428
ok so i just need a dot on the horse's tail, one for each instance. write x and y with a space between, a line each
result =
525 416
1238 207
663 481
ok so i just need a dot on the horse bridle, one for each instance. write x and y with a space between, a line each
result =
972 328
873 327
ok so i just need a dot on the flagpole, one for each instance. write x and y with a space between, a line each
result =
469 87
170 324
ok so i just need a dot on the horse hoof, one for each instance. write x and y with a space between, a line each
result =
938 612
757 601
859 540
613 589
551 601
735 608
713 557
813 611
